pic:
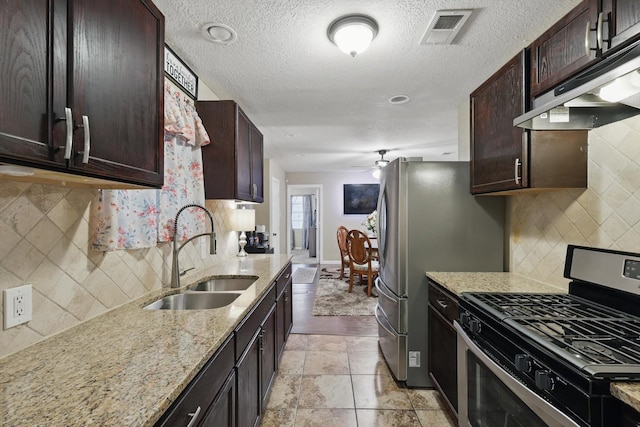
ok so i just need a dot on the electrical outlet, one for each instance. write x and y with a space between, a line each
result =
17 306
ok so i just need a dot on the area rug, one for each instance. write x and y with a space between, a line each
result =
304 275
333 297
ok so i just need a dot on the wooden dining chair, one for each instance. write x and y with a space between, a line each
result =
342 246
361 261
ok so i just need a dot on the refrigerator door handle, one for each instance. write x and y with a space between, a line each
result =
386 294
382 324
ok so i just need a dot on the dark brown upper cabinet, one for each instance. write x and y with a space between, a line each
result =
505 158
566 48
82 91
233 162
621 24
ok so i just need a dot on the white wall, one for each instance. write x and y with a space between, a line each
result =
464 131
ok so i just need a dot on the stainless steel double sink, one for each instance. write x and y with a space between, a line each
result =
216 292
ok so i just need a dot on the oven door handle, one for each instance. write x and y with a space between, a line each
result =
543 409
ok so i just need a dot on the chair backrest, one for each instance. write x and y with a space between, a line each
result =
342 240
359 247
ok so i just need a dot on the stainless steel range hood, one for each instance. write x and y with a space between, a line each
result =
580 102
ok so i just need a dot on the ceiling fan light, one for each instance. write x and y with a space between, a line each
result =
382 163
353 33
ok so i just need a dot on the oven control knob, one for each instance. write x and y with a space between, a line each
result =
544 380
464 319
523 362
475 326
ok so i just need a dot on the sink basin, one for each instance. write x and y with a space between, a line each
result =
219 284
193 301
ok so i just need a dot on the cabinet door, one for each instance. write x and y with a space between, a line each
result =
498 156
243 157
623 21
33 66
268 354
288 309
442 356
249 390
280 320
257 167
222 412
117 81
561 51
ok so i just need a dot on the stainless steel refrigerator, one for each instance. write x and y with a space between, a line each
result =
427 221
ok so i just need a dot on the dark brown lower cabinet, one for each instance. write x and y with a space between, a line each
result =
222 412
443 370
249 402
288 310
268 355
256 365
284 310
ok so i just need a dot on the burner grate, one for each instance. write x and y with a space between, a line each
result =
612 342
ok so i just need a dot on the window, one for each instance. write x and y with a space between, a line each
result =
296 211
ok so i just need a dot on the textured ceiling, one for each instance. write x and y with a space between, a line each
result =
322 110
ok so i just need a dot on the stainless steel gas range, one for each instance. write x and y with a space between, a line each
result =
548 359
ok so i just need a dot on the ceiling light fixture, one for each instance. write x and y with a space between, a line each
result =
399 99
219 33
353 33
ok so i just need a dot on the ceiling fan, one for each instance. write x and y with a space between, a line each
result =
378 164
382 162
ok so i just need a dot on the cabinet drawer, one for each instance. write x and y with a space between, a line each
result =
282 280
203 389
247 329
444 303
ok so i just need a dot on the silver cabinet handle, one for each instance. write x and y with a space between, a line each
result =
599 32
69 139
87 140
194 417
442 303
516 163
587 42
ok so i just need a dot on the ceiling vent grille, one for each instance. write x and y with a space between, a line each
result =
444 26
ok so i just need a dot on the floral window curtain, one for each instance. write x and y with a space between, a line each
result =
134 219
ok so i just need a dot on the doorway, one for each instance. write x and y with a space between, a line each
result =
304 223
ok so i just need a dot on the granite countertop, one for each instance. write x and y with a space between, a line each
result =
459 282
125 367
628 392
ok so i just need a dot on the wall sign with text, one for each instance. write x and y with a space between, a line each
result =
180 73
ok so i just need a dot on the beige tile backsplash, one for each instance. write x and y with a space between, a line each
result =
45 238
46 242
606 215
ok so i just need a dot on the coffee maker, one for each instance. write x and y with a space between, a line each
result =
258 240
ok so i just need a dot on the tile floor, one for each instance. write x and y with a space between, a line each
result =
327 380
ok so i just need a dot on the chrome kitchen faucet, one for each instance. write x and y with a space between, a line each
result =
175 269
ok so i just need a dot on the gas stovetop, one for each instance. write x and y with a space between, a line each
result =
597 339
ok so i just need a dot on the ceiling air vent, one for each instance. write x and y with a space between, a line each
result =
444 26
